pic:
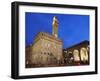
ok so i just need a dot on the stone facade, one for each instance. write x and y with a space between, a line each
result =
46 50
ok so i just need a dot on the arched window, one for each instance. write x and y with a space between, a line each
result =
48 45
84 54
44 52
76 55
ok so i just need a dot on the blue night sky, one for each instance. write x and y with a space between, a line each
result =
72 29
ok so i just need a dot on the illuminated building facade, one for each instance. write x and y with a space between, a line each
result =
46 49
77 54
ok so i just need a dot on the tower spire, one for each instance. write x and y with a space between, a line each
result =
55 26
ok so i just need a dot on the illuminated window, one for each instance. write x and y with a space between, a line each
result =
55 46
48 45
27 62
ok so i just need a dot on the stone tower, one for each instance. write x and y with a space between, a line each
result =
55 27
